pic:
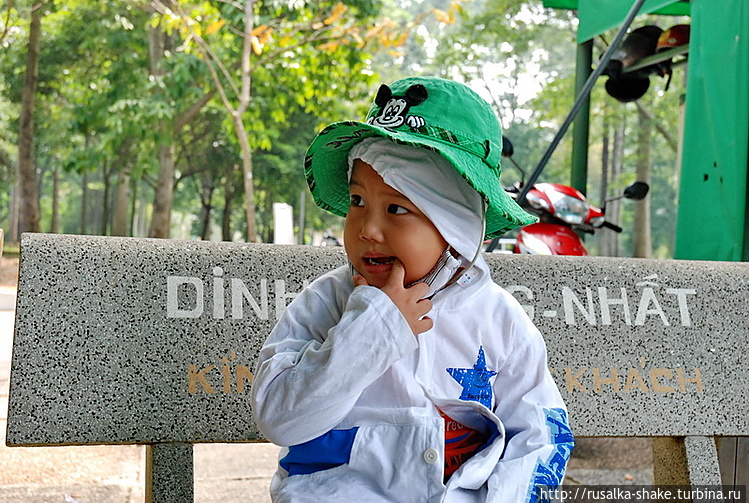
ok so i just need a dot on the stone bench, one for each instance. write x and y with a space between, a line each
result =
143 341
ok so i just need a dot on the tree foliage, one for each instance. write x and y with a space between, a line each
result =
108 106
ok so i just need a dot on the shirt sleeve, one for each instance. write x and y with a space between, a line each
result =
316 363
538 437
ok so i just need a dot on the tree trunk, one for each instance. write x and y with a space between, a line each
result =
134 207
269 222
247 177
55 226
228 205
29 213
206 205
120 220
12 236
164 193
226 221
302 215
244 96
641 237
617 160
84 201
605 244
105 203
667 135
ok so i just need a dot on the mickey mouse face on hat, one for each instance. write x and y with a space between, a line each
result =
394 109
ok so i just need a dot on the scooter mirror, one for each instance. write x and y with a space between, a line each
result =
637 191
507 148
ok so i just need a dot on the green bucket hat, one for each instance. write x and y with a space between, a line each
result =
428 112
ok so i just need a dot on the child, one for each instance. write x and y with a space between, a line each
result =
410 376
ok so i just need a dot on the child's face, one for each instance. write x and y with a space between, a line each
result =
382 224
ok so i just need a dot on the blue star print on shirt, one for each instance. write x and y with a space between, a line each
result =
475 381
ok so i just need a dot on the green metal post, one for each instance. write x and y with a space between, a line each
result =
581 127
745 255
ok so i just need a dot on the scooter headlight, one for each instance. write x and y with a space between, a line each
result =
537 202
570 209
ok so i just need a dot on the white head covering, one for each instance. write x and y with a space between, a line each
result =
430 182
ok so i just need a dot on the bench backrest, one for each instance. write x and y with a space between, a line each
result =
122 340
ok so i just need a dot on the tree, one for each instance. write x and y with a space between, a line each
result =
105 112
516 54
641 242
612 150
29 214
161 219
276 42
241 93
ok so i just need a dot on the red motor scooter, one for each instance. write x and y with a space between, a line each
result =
563 212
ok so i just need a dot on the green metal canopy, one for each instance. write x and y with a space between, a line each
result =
597 16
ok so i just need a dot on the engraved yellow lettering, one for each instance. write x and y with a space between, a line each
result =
196 377
683 380
656 374
226 375
635 380
598 381
573 380
243 374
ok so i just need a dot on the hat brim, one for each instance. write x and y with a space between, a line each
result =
326 170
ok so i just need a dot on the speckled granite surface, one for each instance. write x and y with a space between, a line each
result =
122 340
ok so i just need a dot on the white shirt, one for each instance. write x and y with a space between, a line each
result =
343 375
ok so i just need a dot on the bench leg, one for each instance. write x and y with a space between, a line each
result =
685 461
702 459
169 473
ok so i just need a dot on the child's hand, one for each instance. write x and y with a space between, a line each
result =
408 300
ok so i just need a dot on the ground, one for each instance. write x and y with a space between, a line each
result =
8 271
